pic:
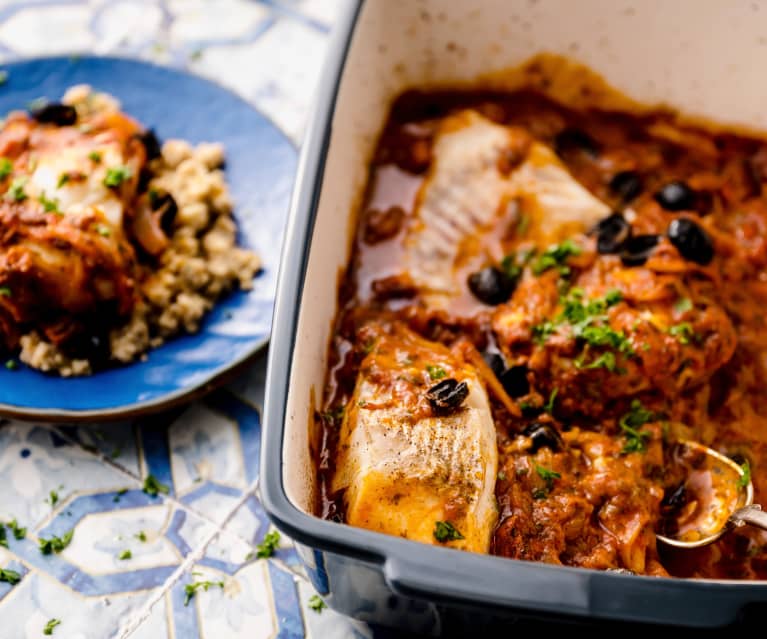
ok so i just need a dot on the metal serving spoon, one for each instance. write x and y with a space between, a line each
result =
717 495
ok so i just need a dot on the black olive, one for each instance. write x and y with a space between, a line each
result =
164 202
495 361
543 435
491 286
152 145
55 113
612 233
447 396
570 139
627 185
692 242
676 196
673 499
514 381
638 248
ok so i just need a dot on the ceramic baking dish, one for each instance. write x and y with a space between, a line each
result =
700 56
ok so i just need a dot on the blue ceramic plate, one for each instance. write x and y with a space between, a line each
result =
260 163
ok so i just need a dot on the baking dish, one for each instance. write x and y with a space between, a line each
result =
695 56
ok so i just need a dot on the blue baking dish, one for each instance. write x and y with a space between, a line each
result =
381 47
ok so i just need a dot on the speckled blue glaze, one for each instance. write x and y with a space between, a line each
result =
260 163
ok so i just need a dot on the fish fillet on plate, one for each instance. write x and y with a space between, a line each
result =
486 176
409 467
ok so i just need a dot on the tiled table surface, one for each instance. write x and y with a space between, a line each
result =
208 525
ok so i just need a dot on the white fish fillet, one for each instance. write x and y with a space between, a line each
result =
403 475
466 193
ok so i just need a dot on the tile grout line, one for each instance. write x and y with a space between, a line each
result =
189 560
249 490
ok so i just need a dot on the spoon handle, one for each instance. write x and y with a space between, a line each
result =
752 514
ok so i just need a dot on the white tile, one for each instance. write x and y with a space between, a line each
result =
48 29
242 609
37 599
126 23
204 20
205 445
101 537
279 72
34 461
324 11
155 624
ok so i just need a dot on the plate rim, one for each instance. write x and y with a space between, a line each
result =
218 376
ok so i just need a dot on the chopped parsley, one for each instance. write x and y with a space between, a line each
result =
513 264
549 405
103 230
125 554
445 531
6 168
153 487
16 192
683 332
116 175
317 604
11 365
636 440
63 179
9 576
55 544
19 533
49 206
141 536
3 538
682 305
5 291
745 479
548 476
542 331
52 623
119 494
190 590
53 498
334 416
605 360
95 157
555 257
501 476
267 547
435 372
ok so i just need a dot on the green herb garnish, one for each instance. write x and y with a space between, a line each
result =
116 175
18 532
16 192
152 486
3 538
269 544
55 544
547 475
103 230
445 531
638 415
3 77
49 206
605 360
682 305
63 179
435 372
52 623
683 332
190 590
141 536
745 479
11 364
119 494
555 256
6 168
549 405
316 603
9 576
53 498
125 554
95 157
334 416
